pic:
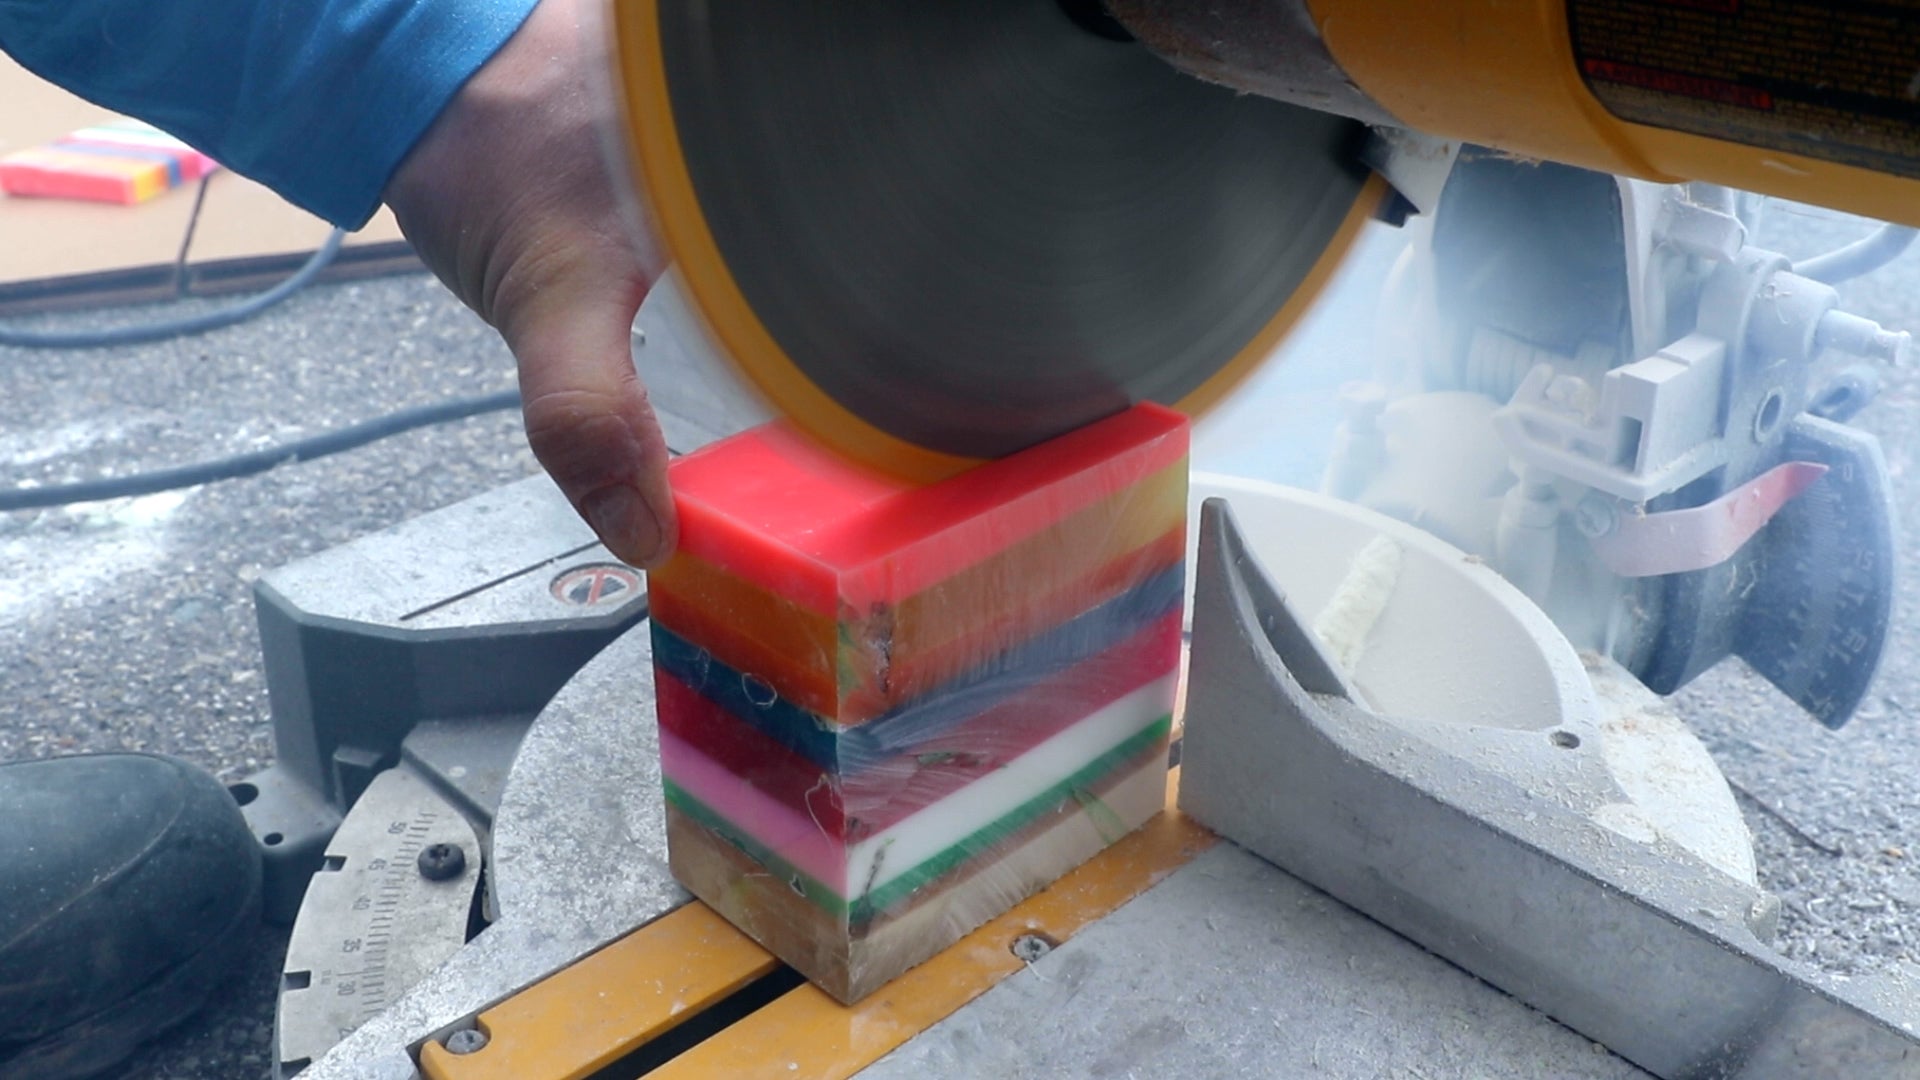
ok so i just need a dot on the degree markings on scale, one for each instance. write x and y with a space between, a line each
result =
372 923
396 873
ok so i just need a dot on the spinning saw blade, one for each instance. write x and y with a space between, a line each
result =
939 232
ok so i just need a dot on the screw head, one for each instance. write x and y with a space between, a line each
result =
1031 947
466 1041
1595 516
1570 394
441 862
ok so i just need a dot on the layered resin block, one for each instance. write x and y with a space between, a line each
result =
124 161
889 712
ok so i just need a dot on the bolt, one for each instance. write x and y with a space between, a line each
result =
1031 947
1891 346
1570 394
1595 516
466 1041
1861 337
1362 403
442 862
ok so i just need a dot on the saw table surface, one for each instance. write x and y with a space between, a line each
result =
1228 967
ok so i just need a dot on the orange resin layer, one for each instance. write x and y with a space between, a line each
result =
853 671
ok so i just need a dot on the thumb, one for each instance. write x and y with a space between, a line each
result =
587 415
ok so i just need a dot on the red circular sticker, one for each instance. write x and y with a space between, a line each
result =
596 584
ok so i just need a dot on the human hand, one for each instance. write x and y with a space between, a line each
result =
508 199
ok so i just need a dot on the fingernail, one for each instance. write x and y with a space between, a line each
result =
624 523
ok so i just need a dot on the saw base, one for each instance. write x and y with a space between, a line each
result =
1245 968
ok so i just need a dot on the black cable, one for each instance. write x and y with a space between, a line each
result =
259 461
186 238
192 324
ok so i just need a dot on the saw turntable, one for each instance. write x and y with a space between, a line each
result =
1425 766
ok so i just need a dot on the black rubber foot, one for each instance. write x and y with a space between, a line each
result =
129 890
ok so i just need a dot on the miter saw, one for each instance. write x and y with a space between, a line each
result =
1603 447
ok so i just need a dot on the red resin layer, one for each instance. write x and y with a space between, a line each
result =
823 667
777 510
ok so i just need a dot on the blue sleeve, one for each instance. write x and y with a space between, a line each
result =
317 99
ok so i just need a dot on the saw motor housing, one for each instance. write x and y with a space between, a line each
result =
1586 409
1800 99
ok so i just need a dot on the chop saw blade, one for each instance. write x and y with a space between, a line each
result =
944 231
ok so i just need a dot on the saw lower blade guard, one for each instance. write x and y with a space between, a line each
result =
941 232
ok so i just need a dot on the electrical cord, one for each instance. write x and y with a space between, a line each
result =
249 464
258 461
1875 250
191 324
